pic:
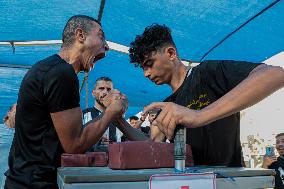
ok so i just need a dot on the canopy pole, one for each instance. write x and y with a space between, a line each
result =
13 46
102 6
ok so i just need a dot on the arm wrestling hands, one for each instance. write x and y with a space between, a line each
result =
117 102
76 139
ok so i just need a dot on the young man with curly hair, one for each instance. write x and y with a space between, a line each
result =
205 99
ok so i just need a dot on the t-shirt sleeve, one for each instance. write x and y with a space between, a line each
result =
61 89
227 74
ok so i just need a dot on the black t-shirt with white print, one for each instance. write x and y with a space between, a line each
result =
216 144
278 166
51 85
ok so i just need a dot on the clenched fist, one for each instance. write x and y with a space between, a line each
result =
116 102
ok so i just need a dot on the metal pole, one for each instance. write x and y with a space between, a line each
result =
180 149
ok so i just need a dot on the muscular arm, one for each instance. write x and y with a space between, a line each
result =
130 132
261 82
75 139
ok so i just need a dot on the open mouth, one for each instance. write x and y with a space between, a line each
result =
152 79
99 57
92 65
155 80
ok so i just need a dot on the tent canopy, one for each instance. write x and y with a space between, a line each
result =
207 29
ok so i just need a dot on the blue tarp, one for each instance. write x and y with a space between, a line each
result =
197 26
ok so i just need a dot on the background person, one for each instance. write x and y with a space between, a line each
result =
103 86
6 137
136 123
272 162
9 119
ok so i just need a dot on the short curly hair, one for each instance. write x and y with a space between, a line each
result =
153 39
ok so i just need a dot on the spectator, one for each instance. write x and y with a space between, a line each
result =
103 86
6 137
9 119
136 123
271 162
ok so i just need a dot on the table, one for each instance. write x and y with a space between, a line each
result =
104 177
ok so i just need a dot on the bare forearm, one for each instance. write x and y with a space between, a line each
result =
130 132
93 132
259 84
76 139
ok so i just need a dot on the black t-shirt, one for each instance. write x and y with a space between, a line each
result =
51 85
278 166
219 142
